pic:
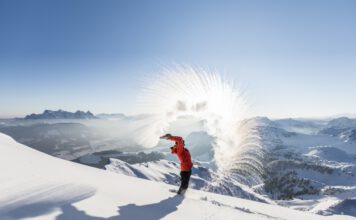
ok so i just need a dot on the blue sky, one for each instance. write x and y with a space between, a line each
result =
292 58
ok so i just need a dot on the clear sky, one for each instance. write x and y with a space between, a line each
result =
292 58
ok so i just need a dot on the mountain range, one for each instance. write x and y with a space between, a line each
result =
60 114
308 165
38 186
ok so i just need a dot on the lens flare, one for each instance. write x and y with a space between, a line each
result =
185 91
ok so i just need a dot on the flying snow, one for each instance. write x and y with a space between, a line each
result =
186 91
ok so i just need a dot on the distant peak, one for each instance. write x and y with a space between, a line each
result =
61 114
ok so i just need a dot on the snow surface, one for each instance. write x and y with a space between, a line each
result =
38 186
202 178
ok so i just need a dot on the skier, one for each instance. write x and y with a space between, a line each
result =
184 158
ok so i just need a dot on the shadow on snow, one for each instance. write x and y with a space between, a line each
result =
152 211
28 208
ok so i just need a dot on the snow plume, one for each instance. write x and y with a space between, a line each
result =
185 91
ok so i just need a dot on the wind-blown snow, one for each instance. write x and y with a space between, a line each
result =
185 91
38 186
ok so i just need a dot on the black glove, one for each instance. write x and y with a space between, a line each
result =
166 136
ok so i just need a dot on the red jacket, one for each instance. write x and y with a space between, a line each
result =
182 153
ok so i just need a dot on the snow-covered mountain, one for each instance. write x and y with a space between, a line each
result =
38 186
342 122
343 128
312 171
299 126
309 165
307 170
60 114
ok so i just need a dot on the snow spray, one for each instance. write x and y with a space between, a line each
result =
186 91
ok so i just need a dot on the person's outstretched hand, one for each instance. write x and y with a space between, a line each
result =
166 136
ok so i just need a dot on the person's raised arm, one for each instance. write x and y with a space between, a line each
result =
179 143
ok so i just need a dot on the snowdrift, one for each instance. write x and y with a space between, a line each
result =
38 186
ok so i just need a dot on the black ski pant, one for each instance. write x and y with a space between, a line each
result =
184 178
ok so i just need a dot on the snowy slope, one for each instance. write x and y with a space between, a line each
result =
37 186
202 178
